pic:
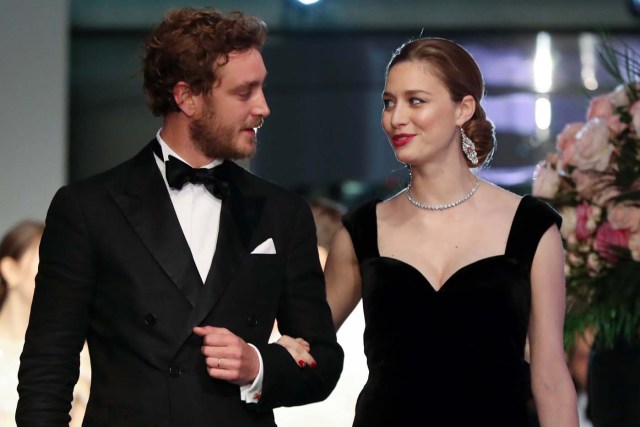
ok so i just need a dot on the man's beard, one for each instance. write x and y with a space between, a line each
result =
217 141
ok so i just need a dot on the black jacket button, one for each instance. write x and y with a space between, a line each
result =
252 321
175 371
150 319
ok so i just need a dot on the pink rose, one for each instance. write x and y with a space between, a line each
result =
594 264
575 260
586 219
635 114
624 216
569 221
589 184
593 150
605 194
566 142
546 180
585 247
603 107
634 245
615 125
600 106
608 238
620 95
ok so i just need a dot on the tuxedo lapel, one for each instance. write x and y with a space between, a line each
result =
239 218
144 200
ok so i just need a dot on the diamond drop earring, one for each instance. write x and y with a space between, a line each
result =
469 148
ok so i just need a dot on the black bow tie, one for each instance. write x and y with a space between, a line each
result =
179 173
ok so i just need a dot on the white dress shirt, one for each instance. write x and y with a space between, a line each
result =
198 212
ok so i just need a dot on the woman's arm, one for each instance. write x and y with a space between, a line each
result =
552 385
342 276
344 290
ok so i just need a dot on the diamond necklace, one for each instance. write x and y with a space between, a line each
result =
442 207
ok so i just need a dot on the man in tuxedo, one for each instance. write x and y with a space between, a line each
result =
175 264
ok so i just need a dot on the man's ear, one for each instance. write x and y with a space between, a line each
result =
466 108
184 98
9 270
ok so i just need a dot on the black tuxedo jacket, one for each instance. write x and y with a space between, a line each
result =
116 269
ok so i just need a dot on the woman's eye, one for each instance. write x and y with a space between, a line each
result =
387 103
416 101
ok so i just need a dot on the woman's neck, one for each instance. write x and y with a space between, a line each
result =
14 317
439 186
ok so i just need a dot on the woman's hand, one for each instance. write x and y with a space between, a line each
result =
299 350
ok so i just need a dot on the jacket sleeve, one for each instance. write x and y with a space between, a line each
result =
49 364
304 312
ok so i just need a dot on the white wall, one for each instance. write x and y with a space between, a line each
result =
33 112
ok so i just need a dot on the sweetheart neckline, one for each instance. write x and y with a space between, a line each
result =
506 250
455 273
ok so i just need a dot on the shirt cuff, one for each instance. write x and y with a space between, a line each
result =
251 393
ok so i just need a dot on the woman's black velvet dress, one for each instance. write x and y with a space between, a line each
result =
452 357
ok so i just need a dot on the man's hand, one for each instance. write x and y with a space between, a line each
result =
227 356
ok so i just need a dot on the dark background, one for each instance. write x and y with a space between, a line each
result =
326 73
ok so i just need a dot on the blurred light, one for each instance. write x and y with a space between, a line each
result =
543 121
588 60
353 188
543 113
543 64
308 2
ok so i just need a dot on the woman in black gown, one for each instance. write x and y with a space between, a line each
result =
455 273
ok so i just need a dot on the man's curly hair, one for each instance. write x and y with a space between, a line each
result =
185 47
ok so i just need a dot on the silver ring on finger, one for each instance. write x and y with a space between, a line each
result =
219 363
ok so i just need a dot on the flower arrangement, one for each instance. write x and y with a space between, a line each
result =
593 181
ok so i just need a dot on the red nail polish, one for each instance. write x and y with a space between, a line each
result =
302 363
312 364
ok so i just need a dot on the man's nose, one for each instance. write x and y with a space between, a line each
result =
261 108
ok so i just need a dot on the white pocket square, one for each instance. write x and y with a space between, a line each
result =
266 247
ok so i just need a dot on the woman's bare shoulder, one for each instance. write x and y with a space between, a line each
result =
499 201
390 206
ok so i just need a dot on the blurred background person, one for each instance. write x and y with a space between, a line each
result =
327 216
18 267
578 362
338 409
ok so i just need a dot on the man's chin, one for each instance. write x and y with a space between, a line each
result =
244 151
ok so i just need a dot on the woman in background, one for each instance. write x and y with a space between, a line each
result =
338 409
18 268
454 272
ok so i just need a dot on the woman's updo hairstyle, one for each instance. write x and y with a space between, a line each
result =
460 73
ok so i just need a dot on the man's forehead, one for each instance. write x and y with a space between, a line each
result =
238 56
242 68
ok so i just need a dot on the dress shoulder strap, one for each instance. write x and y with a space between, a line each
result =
361 223
532 219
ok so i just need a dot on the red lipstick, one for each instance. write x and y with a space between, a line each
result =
401 139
